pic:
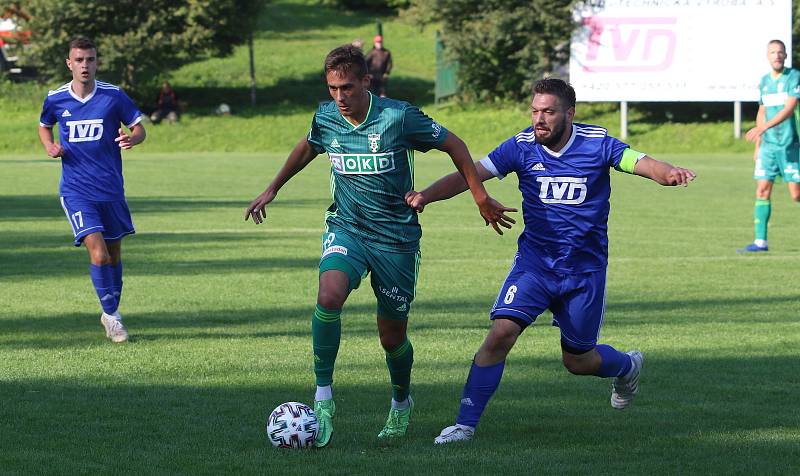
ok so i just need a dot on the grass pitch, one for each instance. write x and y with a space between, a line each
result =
219 312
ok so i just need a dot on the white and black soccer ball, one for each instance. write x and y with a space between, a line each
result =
292 425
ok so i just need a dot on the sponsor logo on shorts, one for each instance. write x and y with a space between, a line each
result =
334 249
467 401
362 163
393 295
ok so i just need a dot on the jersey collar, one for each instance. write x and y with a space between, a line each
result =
369 111
80 99
563 149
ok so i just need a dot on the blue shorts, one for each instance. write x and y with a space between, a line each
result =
576 300
113 219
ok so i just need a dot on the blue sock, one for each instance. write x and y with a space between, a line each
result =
481 385
614 364
116 273
103 283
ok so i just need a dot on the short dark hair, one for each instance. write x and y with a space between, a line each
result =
81 43
346 59
779 42
556 87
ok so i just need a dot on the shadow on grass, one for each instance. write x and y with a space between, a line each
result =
711 420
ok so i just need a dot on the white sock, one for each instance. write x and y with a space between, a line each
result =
400 405
760 243
323 393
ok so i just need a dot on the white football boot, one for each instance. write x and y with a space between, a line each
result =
454 433
623 389
115 330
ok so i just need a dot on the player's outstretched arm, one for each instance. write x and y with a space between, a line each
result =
52 148
663 172
762 125
492 211
301 155
127 141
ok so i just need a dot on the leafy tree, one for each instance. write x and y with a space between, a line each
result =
374 5
501 46
137 41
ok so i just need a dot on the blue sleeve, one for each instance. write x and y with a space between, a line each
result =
129 114
422 132
315 137
506 157
48 117
613 149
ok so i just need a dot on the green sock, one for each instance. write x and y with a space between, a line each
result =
761 214
326 332
399 362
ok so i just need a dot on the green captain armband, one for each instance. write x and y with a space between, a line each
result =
629 159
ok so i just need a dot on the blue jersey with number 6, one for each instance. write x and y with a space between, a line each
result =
565 197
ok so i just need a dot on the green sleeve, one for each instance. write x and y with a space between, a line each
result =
629 159
420 131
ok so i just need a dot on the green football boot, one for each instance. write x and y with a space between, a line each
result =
397 423
324 409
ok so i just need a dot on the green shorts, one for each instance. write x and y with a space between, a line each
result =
778 162
393 274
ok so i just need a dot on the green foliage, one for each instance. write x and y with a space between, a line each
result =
138 40
502 45
372 5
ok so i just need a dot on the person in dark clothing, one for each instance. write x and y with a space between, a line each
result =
379 63
167 105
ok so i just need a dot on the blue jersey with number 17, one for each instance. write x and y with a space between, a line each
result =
91 167
565 197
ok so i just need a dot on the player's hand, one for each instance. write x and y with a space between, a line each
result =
494 213
416 200
257 208
124 140
55 150
680 176
753 134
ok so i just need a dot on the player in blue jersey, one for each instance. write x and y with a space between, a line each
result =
777 151
563 171
89 114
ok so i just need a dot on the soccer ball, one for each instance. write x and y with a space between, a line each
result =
292 425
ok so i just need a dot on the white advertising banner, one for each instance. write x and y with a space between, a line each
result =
675 50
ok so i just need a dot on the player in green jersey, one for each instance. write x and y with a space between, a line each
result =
776 136
370 142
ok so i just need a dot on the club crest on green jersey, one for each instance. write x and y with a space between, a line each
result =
362 163
374 142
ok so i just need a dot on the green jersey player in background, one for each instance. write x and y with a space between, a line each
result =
370 142
776 136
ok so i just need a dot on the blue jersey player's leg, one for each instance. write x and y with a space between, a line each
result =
579 313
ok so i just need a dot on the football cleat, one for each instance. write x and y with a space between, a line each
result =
115 330
454 433
324 409
752 248
623 389
397 422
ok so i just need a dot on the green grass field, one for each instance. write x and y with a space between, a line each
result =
219 310
219 314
